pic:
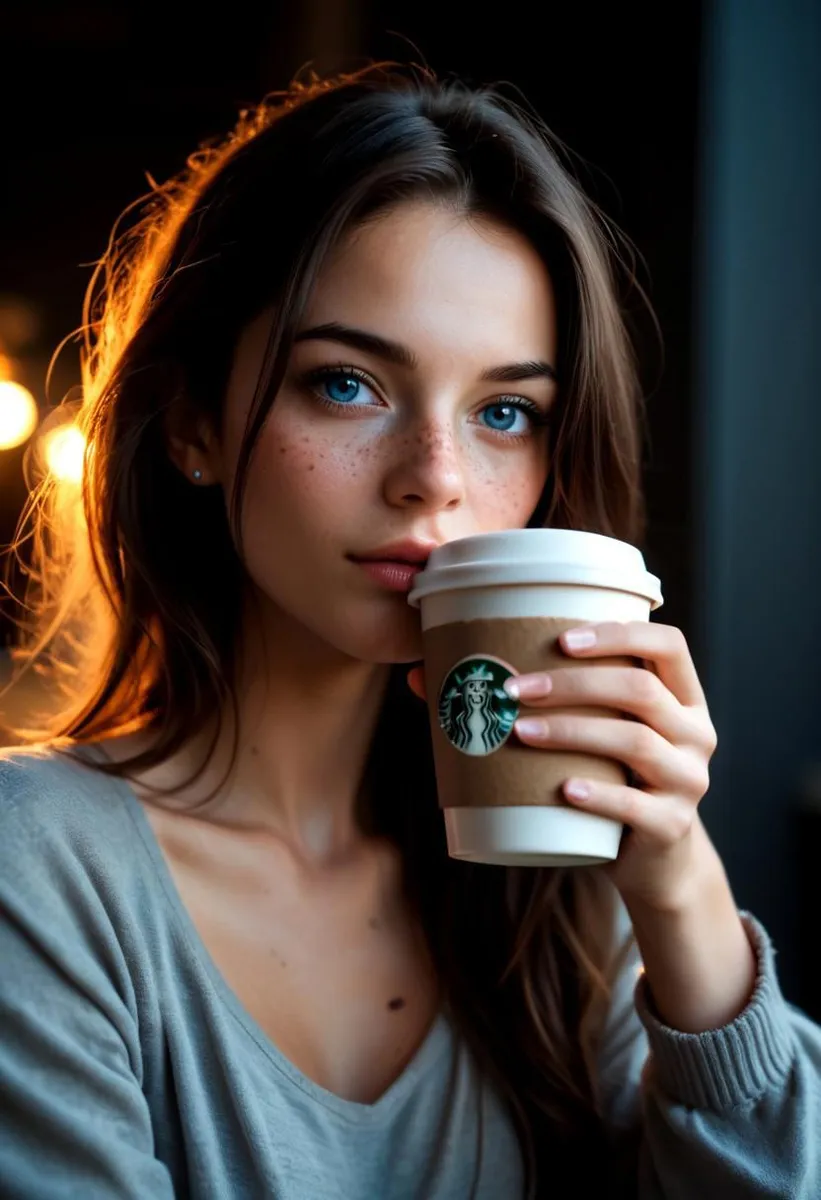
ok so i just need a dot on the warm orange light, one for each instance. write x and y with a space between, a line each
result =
64 451
18 414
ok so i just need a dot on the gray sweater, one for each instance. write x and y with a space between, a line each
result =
129 1068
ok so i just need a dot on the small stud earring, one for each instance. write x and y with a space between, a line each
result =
197 473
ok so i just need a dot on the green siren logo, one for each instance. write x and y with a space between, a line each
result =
475 712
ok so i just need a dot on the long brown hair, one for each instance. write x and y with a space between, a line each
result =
135 580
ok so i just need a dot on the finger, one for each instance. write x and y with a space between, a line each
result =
416 682
664 647
625 689
662 820
662 765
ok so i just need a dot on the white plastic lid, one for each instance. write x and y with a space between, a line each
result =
536 556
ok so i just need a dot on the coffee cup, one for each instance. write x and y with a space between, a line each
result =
492 606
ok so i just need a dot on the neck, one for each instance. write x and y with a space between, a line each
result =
306 718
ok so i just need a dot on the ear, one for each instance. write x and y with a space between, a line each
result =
192 444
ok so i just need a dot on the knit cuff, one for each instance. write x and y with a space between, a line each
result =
724 1067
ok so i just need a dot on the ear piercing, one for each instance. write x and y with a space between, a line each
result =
197 473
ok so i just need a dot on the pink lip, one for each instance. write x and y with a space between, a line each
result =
408 550
395 576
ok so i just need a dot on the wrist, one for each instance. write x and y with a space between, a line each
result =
698 960
694 877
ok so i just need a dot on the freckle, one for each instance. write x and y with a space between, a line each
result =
312 467
255 749
395 1004
374 922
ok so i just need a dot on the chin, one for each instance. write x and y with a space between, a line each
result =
390 638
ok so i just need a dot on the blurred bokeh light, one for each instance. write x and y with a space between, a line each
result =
64 450
18 414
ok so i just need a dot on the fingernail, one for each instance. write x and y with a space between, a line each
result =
528 686
577 789
579 639
531 726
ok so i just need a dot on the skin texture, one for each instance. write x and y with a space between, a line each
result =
302 914
416 457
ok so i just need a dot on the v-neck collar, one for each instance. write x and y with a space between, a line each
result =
430 1049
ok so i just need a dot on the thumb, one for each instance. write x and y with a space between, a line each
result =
416 682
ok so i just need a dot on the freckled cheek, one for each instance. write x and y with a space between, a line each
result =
505 489
307 469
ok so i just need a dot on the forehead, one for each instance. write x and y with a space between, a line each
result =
441 282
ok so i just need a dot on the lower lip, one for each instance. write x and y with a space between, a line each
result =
396 576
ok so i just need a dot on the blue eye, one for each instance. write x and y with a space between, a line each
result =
503 416
341 388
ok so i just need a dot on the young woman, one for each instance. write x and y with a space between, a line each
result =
236 959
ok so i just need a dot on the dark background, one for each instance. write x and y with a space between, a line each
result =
692 125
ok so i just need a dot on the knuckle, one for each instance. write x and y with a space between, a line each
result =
645 744
631 804
681 819
674 636
703 736
701 779
645 686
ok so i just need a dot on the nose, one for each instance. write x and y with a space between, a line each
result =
427 472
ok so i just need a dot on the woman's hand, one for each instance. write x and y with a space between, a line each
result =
697 956
665 855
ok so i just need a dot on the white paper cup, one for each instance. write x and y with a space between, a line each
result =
492 605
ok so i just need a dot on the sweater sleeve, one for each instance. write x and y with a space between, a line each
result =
73 1115
730 1114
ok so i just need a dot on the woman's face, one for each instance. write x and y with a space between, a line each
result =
433 435
475 691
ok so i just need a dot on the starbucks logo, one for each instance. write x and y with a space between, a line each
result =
475 712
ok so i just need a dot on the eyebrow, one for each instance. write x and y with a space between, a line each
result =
401 356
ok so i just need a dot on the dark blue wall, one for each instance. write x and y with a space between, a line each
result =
758 438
